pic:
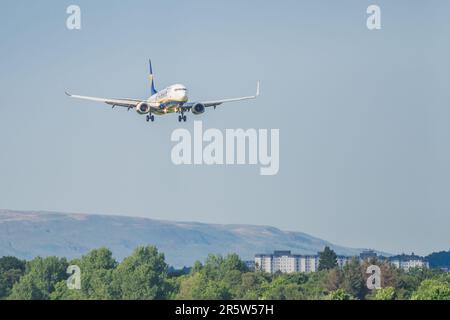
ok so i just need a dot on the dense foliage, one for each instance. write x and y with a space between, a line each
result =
145 275
328 259
439 259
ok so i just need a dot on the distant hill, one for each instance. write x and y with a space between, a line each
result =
30 234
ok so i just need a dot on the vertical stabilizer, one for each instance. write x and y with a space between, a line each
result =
152 80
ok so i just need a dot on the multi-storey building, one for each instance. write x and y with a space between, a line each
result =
407 262
286 262
343 260
279 261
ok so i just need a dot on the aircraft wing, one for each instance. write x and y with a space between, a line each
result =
127 103
215 103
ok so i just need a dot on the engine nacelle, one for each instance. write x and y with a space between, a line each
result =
198 108
142 108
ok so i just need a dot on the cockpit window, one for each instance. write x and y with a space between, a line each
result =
181 89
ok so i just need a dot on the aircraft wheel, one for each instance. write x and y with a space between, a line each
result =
184 118
148 118
179 118
152 117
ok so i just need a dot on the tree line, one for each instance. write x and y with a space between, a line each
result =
145 275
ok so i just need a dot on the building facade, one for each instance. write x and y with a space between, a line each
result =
286 262
279 261
407 262
343 260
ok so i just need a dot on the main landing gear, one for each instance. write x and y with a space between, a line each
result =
150 117
182 117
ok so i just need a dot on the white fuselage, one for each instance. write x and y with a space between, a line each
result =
170 99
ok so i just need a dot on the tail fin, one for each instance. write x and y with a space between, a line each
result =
152 81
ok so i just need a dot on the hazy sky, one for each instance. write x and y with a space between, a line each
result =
363 115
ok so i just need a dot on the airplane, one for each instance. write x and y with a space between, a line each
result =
173 99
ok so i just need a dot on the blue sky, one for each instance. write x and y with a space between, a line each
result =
363 115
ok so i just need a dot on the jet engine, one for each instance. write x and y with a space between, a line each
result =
143 108
198 108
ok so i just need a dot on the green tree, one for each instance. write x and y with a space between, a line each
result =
62 292
96 278
282 289
141 276
198 266
314 287
198 287
387 293
191 287
97 274
333 280
432 289
251 285
11 270
11 263
339 294
390 274
42 274
327 259
217 266
354 281
219 278
27 289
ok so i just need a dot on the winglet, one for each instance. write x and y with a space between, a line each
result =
68 94
257 88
